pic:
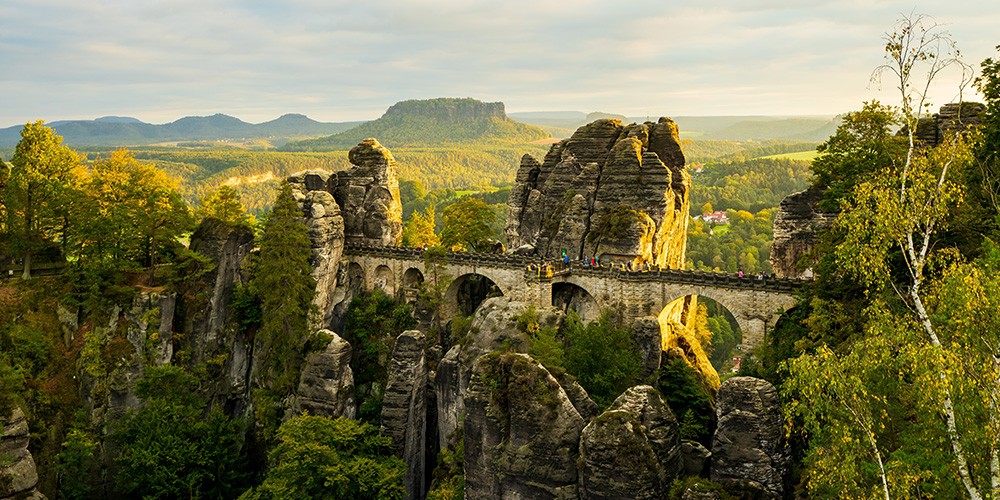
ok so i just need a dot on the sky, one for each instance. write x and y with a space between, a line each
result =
333 60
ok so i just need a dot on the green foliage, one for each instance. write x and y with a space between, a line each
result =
318 457
601 355
467 225
419 229
688 399
749 184
76 465
170 448
38 191
282 278
863 145
544 342
744 244
449 475
371 324
224 204
11 384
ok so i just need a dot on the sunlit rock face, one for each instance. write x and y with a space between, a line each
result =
611 190
618 192
325 223
368 196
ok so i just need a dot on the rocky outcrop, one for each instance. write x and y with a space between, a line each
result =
951 118
494 327
695 458
368 196
617 191
326 234
632 450
522 431
748 445
646 334
326 387
796 225
18 475
211 327
404 408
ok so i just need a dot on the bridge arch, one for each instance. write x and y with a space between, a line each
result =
384 279
756 311
356 277
467 291
569 296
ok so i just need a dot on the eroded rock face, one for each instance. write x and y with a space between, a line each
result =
617 191
404 408
326 387
521 431
494 327
18 475
368 196
326 234
647 337
796 224
632 450
748 446
212 328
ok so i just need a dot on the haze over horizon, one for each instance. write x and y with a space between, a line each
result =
343 61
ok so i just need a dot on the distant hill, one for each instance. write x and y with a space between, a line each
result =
431 122
126 131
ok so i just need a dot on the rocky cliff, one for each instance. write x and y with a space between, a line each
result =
18 475
368 196
611 190
800 219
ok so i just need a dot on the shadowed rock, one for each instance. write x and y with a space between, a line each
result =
404 408
326 387
748 446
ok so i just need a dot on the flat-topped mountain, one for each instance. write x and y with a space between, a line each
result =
431 122
127 131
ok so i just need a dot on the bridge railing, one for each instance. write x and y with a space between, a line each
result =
537 267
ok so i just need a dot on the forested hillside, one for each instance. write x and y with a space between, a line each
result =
431 122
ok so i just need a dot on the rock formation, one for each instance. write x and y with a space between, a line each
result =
404 408
326 387
800 218
18 476
646 334
632 450
796 224
211 327
617 191
522 432
368 196
494 327
748 446
326 234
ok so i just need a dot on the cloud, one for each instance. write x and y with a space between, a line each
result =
348 60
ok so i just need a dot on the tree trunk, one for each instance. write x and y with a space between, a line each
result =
26 274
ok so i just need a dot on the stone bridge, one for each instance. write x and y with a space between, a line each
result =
756 304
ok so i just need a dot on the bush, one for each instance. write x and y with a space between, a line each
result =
602 356
319 457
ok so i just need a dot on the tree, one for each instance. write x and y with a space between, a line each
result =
319 457
170 448
467 224
602 355
224 204
890 229
36 190
282 278
419 230
706 208
128 210
863 144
